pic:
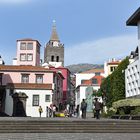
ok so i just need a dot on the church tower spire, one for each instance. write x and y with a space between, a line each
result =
54 49
54 35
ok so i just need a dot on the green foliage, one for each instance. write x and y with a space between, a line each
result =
136 111
114 85
126 103
110 112
120 111
97 93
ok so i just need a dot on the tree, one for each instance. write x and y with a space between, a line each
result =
114 85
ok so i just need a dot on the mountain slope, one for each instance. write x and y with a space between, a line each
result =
76 68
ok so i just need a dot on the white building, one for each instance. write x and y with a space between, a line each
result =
132 73
86 82
110 66
86 75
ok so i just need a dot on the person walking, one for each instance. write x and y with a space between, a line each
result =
97 105
83 108
54 110
40 110
50 112
47 111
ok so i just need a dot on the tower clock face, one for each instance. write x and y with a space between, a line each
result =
55 44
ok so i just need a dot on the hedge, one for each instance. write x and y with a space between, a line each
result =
126 102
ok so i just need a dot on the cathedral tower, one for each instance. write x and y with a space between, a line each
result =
54 50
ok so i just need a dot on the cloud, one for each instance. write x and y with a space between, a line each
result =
98 51
14 1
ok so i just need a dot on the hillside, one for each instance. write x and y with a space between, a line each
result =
82 67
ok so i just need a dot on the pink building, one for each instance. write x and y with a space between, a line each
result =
30 85
25 85
28 52
67 85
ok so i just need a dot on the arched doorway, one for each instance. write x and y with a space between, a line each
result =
19 104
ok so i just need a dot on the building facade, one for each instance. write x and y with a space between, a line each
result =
110 66
68 87
132 73
28 52
27 88
86 83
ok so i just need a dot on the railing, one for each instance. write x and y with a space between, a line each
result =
126 117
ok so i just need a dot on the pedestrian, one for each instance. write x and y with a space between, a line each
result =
97 105
50 112
93 108
83 108
54 110
47 111
40 110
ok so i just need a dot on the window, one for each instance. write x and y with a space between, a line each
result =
25 78
30 46
97 73
39 78
57 58
35 100
23 57
94 81
52 58
22 46
29 57
111 69
82 81
47 98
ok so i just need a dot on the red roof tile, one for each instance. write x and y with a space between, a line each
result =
89 82
24 68
113 63
29 86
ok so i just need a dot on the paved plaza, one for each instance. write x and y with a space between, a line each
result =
70 136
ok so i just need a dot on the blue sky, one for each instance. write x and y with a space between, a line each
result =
92 30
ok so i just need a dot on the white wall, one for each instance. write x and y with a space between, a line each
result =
33 110
83 76
132 79
30 109
139 30
8 103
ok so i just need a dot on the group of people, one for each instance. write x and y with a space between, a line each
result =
50 111
97 108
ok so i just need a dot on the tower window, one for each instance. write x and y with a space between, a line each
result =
29 57
57 58
52 58
29 46
22 57
22 46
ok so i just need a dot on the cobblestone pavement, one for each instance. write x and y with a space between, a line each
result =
69 136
